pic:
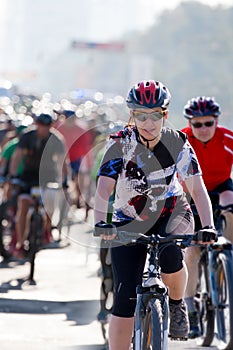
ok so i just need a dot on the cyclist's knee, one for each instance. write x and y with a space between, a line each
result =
228 226
171 259
192 255
24 202
124 301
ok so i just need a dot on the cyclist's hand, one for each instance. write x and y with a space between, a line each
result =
105 231
207 235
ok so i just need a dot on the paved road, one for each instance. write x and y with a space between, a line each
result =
59 312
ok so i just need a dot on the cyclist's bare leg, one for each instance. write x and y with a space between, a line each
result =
192 256
77 180
226 198
120 332
176 282
24 201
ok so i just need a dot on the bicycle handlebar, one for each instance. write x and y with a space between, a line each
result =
183 240
228 207
126 237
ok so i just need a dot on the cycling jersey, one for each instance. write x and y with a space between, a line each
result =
78 140
215 156
34 150
7 153
147 181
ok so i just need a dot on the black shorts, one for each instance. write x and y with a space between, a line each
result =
225 186
128 265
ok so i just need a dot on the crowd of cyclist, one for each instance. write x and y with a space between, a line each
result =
56 146
43 147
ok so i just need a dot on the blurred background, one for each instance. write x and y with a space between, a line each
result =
94 50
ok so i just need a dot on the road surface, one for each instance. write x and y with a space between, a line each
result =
59 312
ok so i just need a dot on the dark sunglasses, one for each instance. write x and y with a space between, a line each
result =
199 125
142 117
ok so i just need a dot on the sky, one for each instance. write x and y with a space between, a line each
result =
36 31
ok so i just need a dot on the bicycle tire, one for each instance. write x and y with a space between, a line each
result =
153 336
35 241
224 310
204 305
3 215
35 233
3 252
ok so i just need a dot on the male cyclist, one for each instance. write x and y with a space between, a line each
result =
42 151
142 162
78 143
213 145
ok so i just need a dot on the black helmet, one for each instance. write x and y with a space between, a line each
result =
68 113
44 119
201 106
148 94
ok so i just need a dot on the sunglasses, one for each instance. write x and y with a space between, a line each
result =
199 125
142 117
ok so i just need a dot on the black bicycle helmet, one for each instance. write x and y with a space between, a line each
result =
148 94
44 119
68 113
201 106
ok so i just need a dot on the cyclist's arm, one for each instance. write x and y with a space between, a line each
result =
197 190
105 187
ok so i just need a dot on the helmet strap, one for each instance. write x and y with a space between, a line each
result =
148 141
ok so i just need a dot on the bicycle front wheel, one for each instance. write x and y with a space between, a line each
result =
35 236
224 310
204 304
154 336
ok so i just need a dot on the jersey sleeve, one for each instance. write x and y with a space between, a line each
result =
187 164
112 161
228 141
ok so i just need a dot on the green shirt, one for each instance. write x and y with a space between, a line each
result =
8 151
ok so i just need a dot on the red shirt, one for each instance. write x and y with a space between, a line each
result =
215 156
78 140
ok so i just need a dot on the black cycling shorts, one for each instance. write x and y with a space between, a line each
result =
128 265
225 186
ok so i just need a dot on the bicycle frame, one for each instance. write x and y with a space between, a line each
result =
214 258
152 288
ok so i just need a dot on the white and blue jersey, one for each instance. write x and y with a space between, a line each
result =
148 183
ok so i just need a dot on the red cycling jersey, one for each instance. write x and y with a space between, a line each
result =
215 156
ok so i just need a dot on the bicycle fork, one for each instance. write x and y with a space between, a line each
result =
144 295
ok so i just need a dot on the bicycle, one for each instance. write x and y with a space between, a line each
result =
8 209
152 310
214 297
36 229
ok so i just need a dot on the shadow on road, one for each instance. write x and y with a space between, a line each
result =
81 312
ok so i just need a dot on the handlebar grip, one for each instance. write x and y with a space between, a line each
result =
97 232
104 228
